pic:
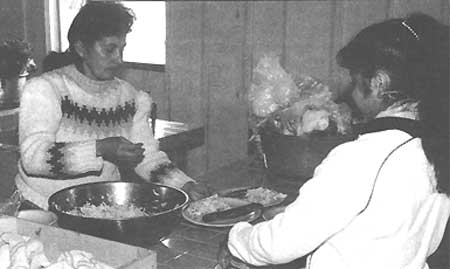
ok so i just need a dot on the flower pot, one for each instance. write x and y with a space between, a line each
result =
295 157
11 90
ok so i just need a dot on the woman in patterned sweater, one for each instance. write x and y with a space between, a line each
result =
79 123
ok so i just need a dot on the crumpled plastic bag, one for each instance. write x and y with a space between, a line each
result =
272 88
294 106
313 109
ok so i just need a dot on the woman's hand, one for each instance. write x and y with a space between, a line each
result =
196 191
120 151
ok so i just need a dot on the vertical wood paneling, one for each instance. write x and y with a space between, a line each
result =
401 8
445 11
227 121
34 26
265 34
308 37
209 69
11 19
351 17
184 62
267 28
151 82
157 90
212 48
186 93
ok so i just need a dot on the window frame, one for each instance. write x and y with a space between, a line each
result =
55 31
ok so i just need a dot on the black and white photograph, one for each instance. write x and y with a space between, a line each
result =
283 134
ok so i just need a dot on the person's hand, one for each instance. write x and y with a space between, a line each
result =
196 191
120 151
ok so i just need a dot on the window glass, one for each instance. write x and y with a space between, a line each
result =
146 41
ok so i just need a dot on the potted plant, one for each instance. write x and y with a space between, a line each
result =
16 63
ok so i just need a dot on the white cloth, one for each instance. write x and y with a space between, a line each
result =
22 252
402 226
62 114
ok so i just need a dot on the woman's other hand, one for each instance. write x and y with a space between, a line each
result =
196 191
120 151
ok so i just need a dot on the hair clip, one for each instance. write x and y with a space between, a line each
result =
410 29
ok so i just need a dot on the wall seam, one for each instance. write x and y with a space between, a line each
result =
204 85
168 81
444 11
24 18
245 67
284 35
333 21
388 8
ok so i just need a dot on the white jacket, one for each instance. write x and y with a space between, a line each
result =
403 224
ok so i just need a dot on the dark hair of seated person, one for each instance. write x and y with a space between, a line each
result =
94 21
415 53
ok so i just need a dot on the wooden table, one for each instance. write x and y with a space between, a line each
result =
176 139
193 246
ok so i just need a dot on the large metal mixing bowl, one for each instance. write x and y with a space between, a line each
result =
162 202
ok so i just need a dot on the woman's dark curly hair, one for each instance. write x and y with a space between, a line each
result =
94 21
97 20
415 53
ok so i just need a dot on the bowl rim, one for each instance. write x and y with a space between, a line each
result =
179 206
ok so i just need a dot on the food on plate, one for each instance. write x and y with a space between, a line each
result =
196 210
23 252
210 204
264 196
104 211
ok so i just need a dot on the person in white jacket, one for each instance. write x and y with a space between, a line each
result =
380 201
79 123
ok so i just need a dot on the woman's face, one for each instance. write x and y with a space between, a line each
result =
366 100
102 60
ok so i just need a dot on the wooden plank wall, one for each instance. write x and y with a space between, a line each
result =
212 47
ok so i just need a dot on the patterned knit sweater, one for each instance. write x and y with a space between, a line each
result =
62 114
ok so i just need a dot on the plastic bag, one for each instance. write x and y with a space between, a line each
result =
272 88
313 110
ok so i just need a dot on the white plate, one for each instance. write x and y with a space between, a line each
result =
232 202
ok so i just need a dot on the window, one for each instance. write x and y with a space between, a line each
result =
145 43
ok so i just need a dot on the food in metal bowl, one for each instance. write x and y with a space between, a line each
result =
161 205
104 211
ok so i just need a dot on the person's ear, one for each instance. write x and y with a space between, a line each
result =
80 49
380 82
